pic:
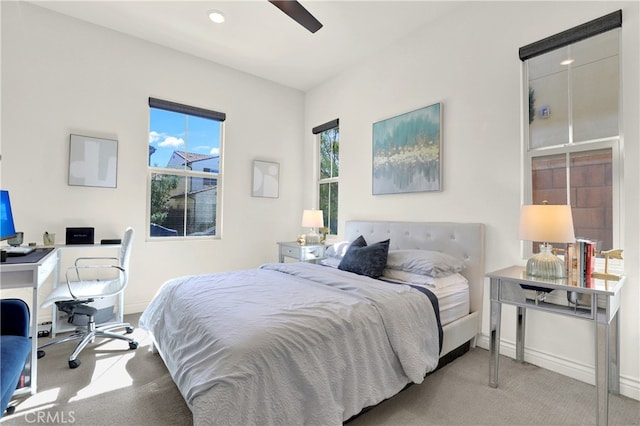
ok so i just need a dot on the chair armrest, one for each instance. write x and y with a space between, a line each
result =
75 270
83 259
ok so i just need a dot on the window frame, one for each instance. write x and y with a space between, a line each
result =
610 22
317 131
186 173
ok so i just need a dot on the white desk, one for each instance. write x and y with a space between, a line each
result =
17 274
23 275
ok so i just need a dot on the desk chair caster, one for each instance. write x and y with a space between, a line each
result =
88 337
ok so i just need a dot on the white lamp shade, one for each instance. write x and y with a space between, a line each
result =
312 219
547 223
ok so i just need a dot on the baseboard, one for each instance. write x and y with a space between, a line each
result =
135 308
629 387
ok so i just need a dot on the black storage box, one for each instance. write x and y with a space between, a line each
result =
79 236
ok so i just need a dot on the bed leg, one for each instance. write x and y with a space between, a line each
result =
153 349
473 341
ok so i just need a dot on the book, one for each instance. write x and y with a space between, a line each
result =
585 262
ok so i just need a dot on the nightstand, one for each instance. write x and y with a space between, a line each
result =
302 253
599 304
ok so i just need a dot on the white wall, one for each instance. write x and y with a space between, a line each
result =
469 62
62 76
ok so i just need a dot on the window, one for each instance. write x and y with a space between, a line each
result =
329 157
572 146
183 169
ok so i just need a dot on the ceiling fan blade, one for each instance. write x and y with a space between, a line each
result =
298 13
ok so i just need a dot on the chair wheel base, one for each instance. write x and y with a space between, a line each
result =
41 354
133 345
74 364
129 330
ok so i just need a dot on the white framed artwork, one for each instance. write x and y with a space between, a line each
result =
93 161
266 177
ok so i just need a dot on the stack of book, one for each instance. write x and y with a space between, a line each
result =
580 259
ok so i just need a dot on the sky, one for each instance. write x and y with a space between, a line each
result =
170 131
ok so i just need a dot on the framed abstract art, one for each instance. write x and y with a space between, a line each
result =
407 152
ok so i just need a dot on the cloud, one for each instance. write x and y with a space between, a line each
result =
154 137
207 149
171 141
163 141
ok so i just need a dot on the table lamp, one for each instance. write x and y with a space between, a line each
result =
548 223
312 219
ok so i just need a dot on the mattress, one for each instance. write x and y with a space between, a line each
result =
453 301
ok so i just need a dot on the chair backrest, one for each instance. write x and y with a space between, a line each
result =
15 317
125 251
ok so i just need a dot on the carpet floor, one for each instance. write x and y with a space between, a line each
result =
117 386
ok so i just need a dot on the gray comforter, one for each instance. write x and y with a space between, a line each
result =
290 343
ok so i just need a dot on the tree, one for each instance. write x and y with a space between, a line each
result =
161 187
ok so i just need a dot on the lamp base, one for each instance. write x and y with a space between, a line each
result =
546 265
312 238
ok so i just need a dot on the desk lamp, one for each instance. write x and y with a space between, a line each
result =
312 219
550 224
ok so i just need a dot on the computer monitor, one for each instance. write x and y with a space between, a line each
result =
7 228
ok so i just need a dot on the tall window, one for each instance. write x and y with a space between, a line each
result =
572 147
183 169
329 156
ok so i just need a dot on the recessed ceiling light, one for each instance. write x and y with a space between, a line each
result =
216 16
567 61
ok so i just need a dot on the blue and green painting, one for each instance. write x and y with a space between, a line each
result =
406 152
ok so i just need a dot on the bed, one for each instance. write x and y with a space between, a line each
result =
461 240
299 343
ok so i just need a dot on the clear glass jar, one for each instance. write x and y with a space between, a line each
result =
546 264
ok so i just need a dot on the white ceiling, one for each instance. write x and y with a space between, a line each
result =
258 38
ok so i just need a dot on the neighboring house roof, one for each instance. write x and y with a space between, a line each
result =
198 191
190 157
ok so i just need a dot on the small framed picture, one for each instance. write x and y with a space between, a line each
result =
93 161
266 177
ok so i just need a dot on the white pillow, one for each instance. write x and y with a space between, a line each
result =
337 250
411 278
424 262
330 261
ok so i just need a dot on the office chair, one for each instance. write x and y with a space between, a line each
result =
83 288
15 346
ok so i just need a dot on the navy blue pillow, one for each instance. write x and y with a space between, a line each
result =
363 259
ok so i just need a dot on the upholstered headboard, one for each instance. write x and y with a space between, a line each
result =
463 240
